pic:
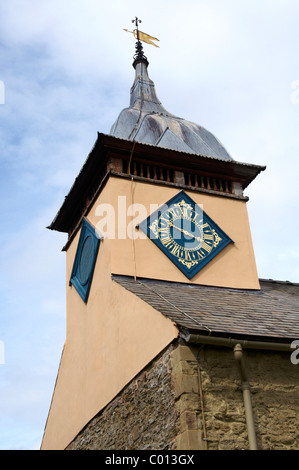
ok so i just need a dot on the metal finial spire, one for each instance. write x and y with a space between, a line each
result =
140 36
139 55
136 21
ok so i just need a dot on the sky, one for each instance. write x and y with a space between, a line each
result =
65 74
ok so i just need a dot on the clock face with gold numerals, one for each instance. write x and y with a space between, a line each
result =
185 233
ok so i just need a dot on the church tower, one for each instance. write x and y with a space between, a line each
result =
158 247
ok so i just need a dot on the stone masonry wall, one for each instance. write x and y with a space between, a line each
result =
190 398
218 419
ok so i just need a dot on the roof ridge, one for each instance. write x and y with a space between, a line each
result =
277 281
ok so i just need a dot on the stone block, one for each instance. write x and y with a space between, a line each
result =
185 384
190 440
184 353
189 420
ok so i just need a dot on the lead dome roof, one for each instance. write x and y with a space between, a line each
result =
147 121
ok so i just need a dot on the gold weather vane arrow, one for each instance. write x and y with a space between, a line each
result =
146 38
140 36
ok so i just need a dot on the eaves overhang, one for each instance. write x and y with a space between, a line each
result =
94 171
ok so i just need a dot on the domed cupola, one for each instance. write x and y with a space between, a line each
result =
147 121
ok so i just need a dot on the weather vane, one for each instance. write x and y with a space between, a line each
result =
140 36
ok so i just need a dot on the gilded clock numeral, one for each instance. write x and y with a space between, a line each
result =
201 254
175 212
166 242
208 236
185 212
175 250
189 256
164 221
206 246
164 230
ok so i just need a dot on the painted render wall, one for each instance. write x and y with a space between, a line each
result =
109 340
115 335
234 267
107 345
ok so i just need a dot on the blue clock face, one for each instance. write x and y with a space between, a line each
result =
84 263
185 233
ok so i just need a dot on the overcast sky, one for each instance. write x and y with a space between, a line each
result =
66 66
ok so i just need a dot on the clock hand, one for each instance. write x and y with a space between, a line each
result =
182 230
186 233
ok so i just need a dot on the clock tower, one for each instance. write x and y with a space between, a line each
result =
158 199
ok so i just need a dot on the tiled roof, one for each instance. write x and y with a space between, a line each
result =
272 312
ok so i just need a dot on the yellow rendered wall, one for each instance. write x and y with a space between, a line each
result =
109 340
115 335
234 267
